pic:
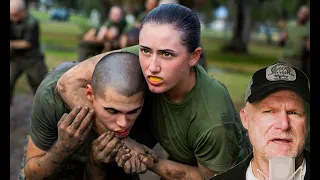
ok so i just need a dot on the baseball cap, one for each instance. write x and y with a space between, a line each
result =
277 76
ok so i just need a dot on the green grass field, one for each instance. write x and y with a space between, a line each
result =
59 42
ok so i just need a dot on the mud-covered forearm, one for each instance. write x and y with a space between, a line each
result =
172 170
46 166
72 84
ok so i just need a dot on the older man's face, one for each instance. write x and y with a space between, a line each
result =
277 125
303 14
16 16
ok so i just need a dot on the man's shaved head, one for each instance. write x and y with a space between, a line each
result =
303 14
17 10
120 71
18 5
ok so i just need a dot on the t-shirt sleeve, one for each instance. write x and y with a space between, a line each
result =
31 33
133 49
43 126
217 147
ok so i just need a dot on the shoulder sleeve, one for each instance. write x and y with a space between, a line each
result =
43 125
218 147
133 49
31 33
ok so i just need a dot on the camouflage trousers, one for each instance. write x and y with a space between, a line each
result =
35 69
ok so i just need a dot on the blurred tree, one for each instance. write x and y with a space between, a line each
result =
265 16
66 3
241 15
244 13
104 10
87 6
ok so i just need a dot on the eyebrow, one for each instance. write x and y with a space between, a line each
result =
162 50
144 47
113 109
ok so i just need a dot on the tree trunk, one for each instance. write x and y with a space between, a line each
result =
241 27
105 7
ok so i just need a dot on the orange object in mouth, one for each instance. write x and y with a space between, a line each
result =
155 79
121 131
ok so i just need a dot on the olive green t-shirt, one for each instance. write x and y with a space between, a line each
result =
120 25
297 34
204 128
48 108
28 30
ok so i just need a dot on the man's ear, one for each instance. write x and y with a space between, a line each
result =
195 56
89 92
244 118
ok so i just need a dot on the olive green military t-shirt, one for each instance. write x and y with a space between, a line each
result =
48 108
27 30
203 128
121 25
297 34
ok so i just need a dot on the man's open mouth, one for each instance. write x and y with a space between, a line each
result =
122 133
284 140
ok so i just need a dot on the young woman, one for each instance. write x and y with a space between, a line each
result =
191 113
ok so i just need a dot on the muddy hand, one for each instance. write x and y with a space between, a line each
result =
105 148
150 152
73 128
134 165
147 160
122 157
128 160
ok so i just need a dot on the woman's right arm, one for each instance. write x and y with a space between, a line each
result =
72 84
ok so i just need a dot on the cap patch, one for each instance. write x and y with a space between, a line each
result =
280 71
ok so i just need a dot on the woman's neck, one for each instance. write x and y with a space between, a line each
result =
177 93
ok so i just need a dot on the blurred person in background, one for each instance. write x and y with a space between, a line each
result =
295 39
130 38
149 5
104 37
25 52
132 30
